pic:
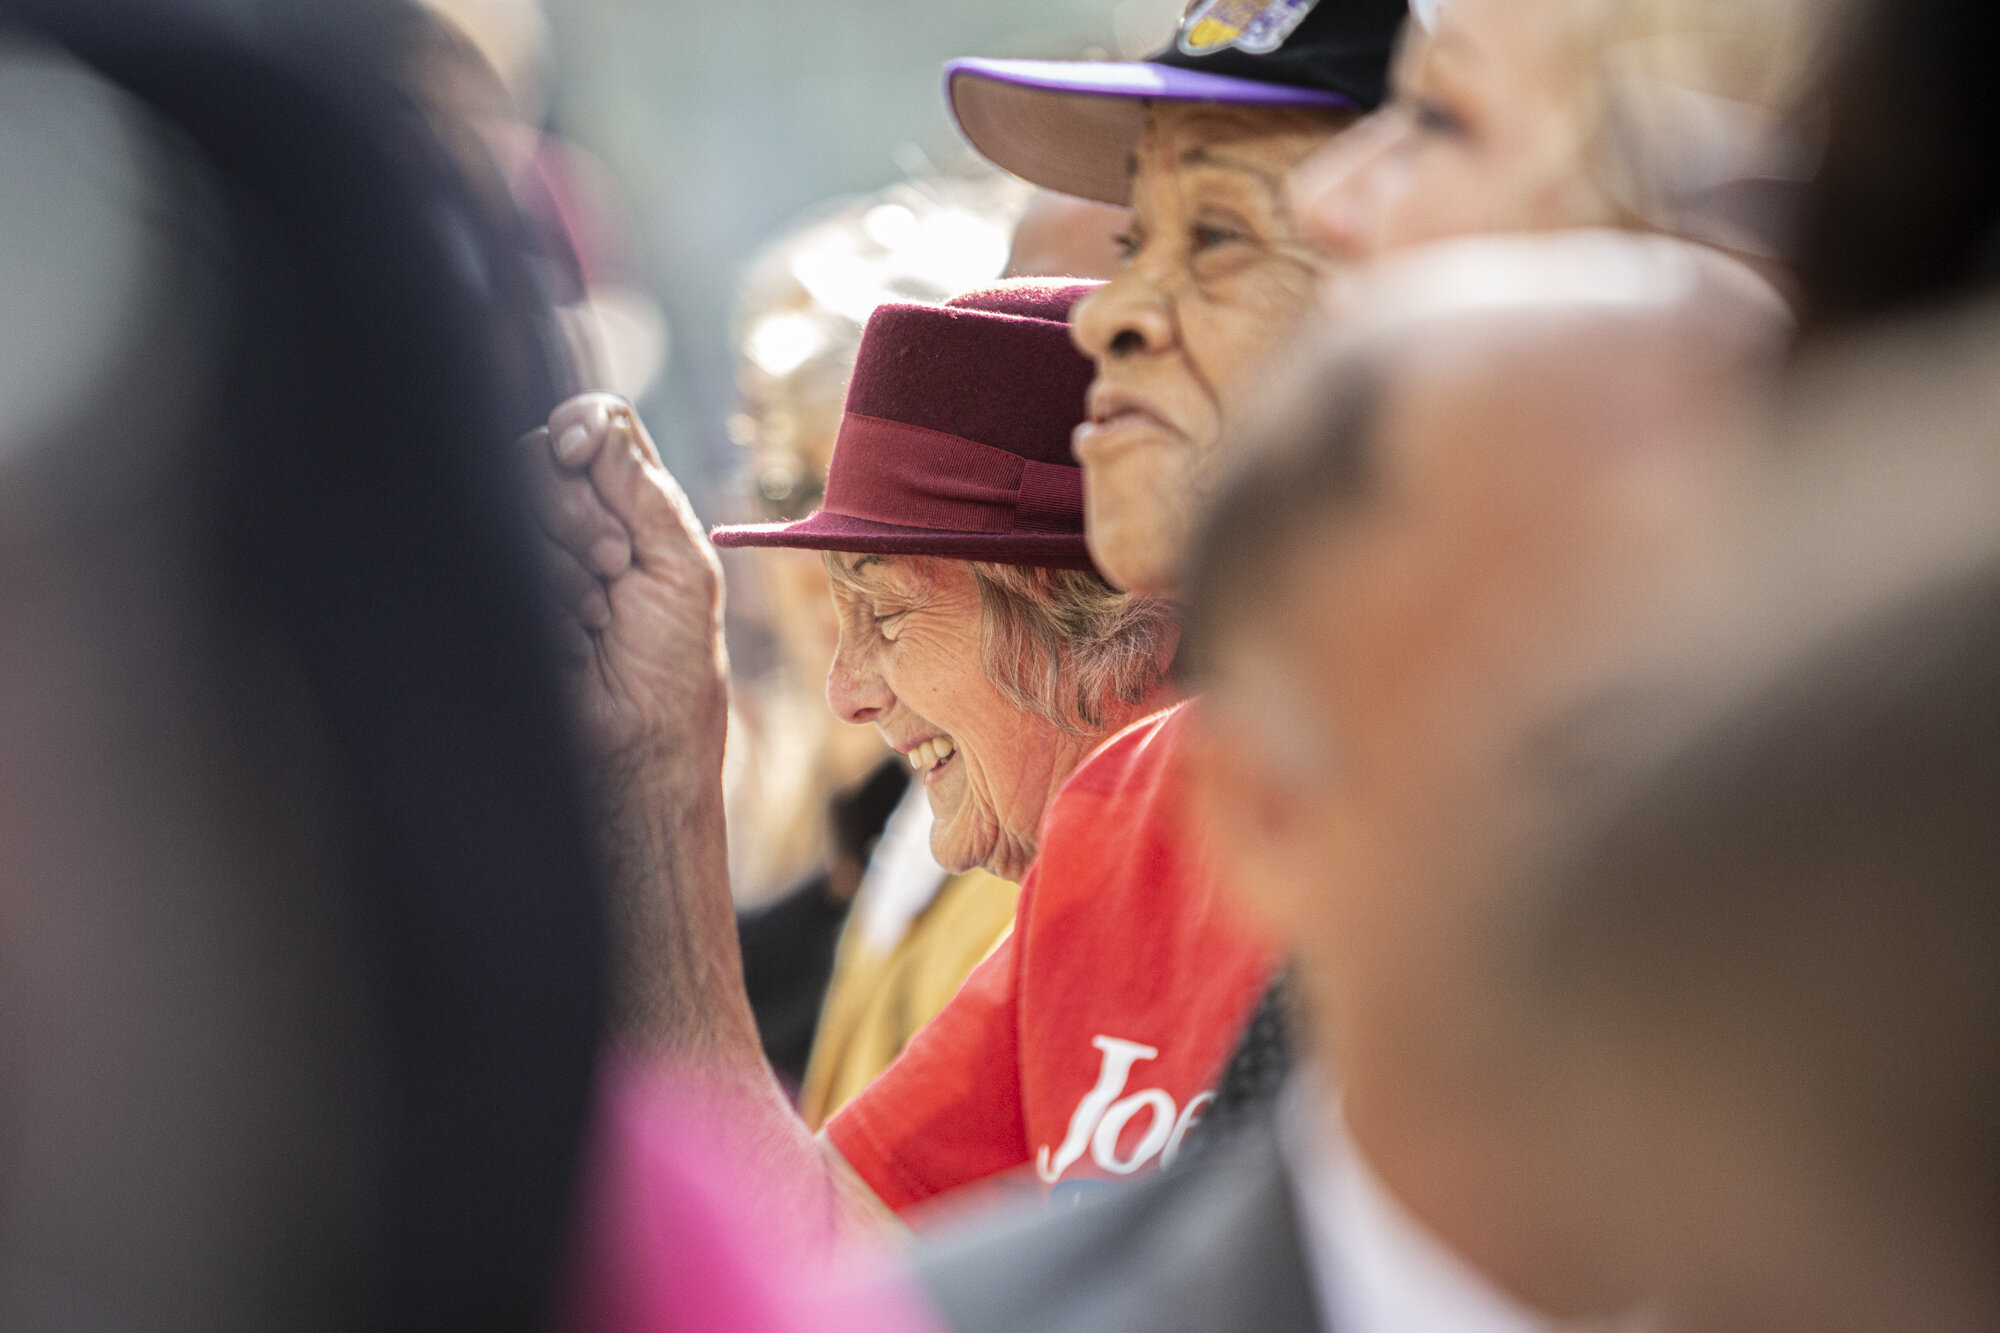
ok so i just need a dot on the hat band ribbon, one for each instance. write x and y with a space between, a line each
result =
892 472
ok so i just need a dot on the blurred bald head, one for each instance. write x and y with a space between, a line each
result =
1469 528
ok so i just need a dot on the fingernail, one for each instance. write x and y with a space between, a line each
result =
611 555
571 445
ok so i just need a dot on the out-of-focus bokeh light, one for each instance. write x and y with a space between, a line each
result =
943 253
722 123
781 343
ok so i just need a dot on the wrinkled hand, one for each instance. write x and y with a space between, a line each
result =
641 590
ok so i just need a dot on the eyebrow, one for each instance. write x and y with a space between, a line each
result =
859 572
1200 156
843 573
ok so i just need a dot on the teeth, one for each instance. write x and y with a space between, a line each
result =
931 753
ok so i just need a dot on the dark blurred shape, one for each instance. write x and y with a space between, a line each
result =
300 945
1905 211
1254 1075
1784 950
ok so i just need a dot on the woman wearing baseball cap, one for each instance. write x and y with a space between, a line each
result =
1197 140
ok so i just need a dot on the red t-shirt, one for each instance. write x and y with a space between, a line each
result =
1090 1040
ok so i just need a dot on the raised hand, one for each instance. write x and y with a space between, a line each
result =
642 589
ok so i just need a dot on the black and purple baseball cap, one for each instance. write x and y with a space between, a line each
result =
1069 125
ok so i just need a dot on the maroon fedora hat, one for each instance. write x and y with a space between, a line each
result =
955 440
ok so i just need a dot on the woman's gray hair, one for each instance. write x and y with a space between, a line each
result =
1066 644
1063 643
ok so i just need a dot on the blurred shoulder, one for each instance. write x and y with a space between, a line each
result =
1214 1246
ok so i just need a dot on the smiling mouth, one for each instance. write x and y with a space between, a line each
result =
933 757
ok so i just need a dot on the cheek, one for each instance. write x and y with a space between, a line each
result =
1446 190
1231 338
1540 174
924 671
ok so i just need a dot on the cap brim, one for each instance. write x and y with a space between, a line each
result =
839 532
1070 125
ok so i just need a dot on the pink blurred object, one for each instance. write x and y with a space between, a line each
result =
683 1229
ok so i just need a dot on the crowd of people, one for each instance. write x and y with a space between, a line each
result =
1412 704
1465 787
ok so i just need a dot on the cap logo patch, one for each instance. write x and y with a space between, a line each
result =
1258 27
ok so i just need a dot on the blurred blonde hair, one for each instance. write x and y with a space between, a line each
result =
1679 103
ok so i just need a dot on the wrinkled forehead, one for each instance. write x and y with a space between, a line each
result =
1179 137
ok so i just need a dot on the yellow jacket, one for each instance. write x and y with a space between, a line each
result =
877 1001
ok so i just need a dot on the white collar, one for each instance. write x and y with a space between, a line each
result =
1376 1268
902 877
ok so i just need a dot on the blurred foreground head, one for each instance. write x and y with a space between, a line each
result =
299 956
1527 115
1777 954
1470 528
1784 950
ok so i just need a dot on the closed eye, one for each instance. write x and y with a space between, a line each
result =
1210 235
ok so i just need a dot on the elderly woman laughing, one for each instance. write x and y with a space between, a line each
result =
974 633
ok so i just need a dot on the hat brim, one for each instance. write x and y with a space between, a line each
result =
1070 125
840 532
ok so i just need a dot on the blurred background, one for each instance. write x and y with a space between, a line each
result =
724 193
720 123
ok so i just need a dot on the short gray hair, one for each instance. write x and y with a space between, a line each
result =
1065 644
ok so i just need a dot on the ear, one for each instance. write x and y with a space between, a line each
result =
1248 810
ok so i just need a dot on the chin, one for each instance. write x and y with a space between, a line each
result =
948 853
1137 557
1135 569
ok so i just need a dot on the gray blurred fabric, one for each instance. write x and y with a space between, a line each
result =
1210 1248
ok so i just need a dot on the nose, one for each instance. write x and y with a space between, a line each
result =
1127 316
1337 193
855 690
